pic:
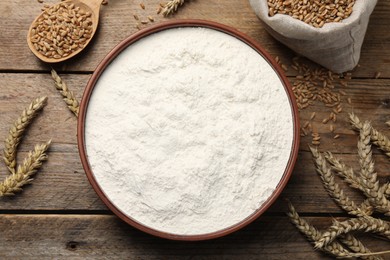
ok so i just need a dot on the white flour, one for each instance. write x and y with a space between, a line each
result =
189 131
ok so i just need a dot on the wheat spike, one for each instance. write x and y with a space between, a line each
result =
386 188
333 248
377 138
17 130
357 246
172 6
312 234
365 224
368 177
67 95
333 188
343 170
14 183
349 176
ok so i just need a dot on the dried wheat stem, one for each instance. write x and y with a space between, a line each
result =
67 95
386 188
343 170
171 6
30 166
365 154
347 173
365 224
16 132
357 246
333 188
334 248
368 178
377 137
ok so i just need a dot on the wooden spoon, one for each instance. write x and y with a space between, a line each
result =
68 36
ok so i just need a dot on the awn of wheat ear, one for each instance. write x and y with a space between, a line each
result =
17 131
33 162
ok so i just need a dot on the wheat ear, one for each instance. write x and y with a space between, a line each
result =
350 177
67 95
368 176
347 173
357 246
172 6
14 183
343 170
377 138
333 248
333 188
365 224
16 132
386 188
312 234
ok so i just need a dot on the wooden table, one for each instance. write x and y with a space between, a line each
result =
60 216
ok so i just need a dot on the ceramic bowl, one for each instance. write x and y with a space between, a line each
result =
155 29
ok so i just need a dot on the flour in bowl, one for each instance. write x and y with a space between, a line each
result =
189 131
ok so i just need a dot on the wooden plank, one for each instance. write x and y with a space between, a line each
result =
57 187
369 101
106 237
306 191
117 22
62 185
62 180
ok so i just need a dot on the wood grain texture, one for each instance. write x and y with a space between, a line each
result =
62 184
106 237
60 216
117 22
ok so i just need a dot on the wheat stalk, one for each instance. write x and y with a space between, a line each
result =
14 183
367 182
172 6
347 173
17 130
386 188
368 178
357 246
333 248
376 138
334 189
312 234
365 224
67 95
343 170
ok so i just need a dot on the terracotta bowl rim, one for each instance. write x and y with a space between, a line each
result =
160 27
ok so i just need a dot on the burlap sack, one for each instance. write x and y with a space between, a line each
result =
335 46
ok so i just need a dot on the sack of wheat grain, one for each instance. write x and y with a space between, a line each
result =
330 32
